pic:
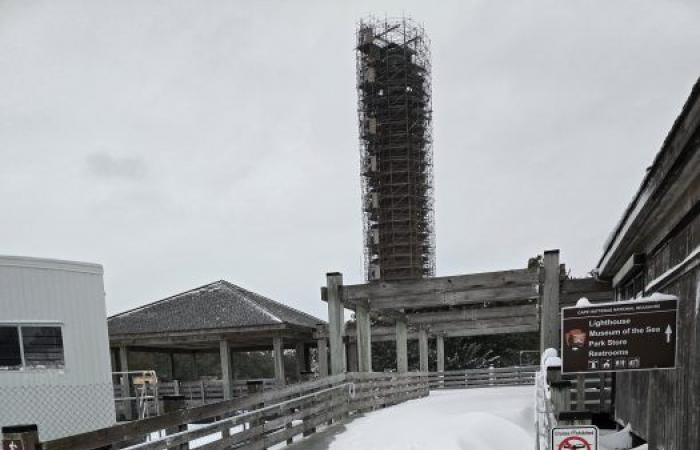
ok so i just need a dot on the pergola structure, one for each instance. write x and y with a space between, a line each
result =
217 318
504 302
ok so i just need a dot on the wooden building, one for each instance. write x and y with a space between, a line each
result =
218 319
656 248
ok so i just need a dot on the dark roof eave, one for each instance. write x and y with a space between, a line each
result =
208 333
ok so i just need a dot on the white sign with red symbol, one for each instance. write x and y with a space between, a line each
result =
575 438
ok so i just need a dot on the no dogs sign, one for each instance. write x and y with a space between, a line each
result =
575 438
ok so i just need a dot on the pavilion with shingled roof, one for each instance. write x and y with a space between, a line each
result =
219 317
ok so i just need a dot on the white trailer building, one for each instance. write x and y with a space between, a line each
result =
54 349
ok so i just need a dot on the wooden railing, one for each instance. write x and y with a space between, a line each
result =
488 377
196 393
259 420
557 400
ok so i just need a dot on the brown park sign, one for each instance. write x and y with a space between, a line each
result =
621 336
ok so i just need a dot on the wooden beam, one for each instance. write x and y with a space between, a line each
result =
226 369
455 298
436 327
401 346
423 349
483 332
429 286
334 282
364 339
549 329
594 290
278 354
486 325
462 314
464 332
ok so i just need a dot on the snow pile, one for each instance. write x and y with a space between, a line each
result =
475 419
620 440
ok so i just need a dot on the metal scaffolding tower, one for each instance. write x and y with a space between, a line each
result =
395 112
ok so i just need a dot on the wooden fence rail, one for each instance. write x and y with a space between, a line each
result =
488 377
568 399
257 421
196 393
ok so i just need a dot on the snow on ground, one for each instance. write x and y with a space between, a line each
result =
472 419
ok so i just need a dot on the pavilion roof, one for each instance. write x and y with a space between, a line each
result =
218 305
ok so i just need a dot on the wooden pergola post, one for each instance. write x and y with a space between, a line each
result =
226 369
322 347
334 281
351 355
300 353
364 338
278 354
440 344
401 346
549 326
423 349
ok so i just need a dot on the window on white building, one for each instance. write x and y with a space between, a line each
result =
31 347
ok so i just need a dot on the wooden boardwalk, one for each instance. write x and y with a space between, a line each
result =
478 419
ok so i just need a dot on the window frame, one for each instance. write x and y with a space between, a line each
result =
23 367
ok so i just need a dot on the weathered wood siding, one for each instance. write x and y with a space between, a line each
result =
662 225
664 406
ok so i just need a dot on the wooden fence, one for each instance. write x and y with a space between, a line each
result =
557 400
196 393
256 421
488 377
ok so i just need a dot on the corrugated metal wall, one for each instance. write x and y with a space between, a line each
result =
78 398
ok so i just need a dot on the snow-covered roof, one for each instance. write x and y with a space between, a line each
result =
218 305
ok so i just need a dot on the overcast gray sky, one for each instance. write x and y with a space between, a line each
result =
182 142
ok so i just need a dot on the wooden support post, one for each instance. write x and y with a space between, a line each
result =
401 346
20 437
171 359
124 381
364 339
300 354
334 282
226 369
351 355
423 349
580 392
549 325
278 351
322 347
440 344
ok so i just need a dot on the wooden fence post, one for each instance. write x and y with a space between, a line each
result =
172 403
580 392
20 437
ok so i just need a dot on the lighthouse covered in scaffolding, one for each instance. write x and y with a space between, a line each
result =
394 109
